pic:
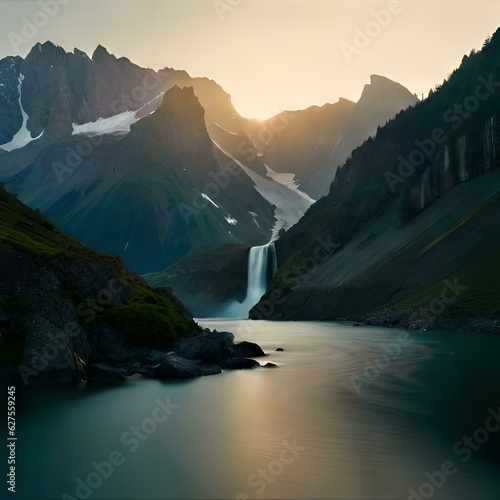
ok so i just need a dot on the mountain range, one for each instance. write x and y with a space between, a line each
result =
156 165
160 170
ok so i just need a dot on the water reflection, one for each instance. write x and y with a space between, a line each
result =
230 429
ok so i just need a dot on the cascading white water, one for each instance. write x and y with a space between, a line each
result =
257 273
262 265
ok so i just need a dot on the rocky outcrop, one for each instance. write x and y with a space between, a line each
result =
174 367
209 347
239 364
11 117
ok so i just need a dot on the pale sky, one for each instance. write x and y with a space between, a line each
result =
270 55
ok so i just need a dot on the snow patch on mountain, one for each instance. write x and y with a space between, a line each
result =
23 136
210 200
291 204
230 220
117 124
288 180
225 129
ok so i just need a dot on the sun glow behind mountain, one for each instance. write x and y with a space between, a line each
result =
270 55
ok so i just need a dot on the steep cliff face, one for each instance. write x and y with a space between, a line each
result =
59 89
412 208
11 117
64 306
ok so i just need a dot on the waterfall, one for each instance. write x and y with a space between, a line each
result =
262 265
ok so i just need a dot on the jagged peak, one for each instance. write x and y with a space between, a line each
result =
180 101
178 93
99 52
80 53
167 69
380 85
380 80
47 46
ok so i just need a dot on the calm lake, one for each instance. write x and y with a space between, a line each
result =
351 412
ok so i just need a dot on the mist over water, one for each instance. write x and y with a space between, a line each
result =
230 428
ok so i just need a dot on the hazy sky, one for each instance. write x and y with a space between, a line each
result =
269 55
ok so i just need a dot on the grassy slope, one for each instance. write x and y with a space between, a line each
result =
145 318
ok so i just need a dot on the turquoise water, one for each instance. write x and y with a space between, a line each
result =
319 426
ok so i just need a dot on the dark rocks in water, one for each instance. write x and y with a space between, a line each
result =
248 350
103 374
174 368
270 365
239 364
209 347
280 349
